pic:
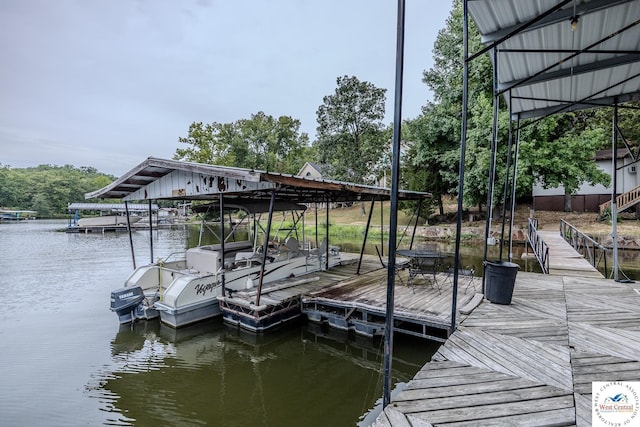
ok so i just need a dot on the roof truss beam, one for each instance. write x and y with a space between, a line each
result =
553 18
608 101
580 69
563 60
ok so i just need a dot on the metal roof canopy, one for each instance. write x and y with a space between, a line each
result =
556 56
155 179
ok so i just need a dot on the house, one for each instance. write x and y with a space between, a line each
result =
318 171
311 170
588 198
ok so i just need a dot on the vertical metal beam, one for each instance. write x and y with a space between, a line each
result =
382 226
151 231
222 239
133 256
326 249
415 226
265 245
492 165
513 186
463 149
366 233
614 190
393 216
506 179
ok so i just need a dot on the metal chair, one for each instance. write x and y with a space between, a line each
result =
399 266
427 267
466 272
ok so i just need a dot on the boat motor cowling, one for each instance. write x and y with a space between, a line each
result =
124 301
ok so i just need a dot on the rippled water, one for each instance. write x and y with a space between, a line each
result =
65 361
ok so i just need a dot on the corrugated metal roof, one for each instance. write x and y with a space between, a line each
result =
553 66
155 179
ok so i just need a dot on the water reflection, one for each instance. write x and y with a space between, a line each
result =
214 374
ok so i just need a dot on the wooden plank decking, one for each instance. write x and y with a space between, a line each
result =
564 260
421 309
531 362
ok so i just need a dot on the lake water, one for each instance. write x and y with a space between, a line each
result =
65 361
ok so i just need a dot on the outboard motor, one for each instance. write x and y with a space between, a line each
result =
125 302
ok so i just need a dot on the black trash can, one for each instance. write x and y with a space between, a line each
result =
500 280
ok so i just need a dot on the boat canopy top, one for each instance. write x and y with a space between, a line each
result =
251 206
110 207
156 179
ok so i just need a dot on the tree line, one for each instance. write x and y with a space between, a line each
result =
48 189
353 143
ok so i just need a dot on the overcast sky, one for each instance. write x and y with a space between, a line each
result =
108 83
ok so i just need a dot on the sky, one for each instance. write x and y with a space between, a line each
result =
108 83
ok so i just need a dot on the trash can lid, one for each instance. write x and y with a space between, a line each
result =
503 264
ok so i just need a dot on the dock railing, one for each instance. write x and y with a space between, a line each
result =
591 250
540 248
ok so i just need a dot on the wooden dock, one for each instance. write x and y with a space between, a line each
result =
564 260
531 362
422 309
280 300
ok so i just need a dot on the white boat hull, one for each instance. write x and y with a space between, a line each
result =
187 291
107 221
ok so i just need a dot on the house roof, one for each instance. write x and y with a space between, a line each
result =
608 154
155 179
557 56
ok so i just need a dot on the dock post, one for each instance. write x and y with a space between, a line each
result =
393 219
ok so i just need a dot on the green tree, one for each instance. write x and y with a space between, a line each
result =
261 142
436 132
48 189
565 160
350 133
555 151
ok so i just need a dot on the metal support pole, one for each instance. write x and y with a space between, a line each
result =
614 191
151 231
513 187
265 245
492 165
366 233
393 216
382 227
133 256
506 179
463 149
326 249
222 240
415 226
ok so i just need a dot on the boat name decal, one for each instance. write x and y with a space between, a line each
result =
203 288
127 295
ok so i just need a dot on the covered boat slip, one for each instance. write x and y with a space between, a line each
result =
532 362
226 278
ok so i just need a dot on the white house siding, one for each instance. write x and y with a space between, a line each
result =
588 198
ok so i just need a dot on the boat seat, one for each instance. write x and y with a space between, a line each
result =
243 256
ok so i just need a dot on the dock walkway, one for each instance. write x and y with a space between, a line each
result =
531 362
564 260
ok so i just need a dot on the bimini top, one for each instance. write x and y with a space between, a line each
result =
155 179
251 206
557 56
